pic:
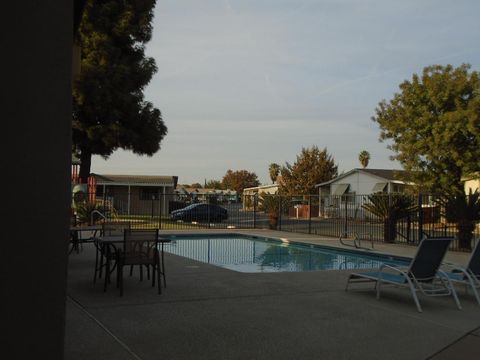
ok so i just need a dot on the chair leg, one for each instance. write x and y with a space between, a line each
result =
414 295
96 264
120 277
153 273
102 259
474 287
162 263
454 294
348 283
377 288
107 271
159 280
475 292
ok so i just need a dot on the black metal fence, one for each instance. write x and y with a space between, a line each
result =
332 216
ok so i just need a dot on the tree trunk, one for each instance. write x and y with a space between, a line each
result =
272 221
465 233
389 230
85 165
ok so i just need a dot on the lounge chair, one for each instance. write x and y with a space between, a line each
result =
469 275
421 275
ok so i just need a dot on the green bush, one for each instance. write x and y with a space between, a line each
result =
390 208
84 212
464 211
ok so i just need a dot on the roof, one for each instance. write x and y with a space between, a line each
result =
138 180
386 174
262 187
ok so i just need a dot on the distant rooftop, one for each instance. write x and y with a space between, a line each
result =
385 173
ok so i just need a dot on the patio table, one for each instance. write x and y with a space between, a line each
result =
107 246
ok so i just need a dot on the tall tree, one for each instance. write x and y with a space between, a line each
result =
364 158
239 180
433 125
312 166
214 184
109 110
273 171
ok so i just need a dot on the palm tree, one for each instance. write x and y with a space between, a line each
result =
273 204
464 210
273 170
390 208
364 158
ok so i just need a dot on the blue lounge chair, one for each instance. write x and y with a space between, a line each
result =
421 275
469 275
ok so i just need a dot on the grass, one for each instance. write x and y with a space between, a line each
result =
149 222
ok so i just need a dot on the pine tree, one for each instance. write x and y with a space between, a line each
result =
433 125
109 110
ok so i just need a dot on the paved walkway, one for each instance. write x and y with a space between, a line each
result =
207 312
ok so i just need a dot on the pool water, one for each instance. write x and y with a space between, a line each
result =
257 254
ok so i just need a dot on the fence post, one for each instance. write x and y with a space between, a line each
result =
254 210
153 199
345 226
409 227
161 201
107 212
208 210
420 217
280 212
309 214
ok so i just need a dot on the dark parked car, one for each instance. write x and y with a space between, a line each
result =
199 212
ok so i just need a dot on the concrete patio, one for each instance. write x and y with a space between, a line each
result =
207 312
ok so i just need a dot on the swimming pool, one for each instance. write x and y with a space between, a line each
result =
245 253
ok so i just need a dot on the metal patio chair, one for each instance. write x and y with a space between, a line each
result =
140 247
108 229
468 275
423 275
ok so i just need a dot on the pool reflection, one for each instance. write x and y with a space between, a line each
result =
255 255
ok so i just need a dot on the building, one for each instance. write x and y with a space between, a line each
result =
364 182
135 194
248 194
348 191
189 194
472 183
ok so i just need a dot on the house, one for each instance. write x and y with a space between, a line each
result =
136 194
248 194
472 182
347 191
189 194
364 182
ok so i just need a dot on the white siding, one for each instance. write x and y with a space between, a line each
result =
360 183
473 184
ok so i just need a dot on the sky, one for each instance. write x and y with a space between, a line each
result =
242 84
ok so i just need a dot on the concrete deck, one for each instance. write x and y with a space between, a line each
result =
207 312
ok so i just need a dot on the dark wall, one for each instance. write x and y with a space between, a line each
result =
35 112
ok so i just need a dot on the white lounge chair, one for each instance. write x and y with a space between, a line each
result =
422 274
